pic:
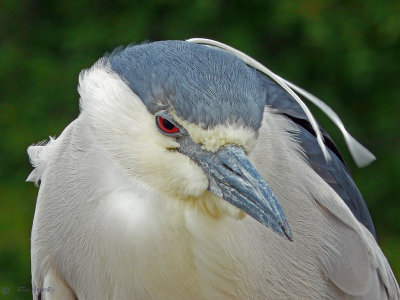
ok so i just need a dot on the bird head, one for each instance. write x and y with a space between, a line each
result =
181 118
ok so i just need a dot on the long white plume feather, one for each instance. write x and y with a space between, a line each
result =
360 154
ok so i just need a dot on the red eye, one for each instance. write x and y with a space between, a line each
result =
166 126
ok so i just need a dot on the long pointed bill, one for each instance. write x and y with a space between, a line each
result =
233 178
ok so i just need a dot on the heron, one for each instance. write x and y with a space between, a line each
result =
195 172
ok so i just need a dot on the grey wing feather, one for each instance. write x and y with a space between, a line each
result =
361 272
338 177
335 173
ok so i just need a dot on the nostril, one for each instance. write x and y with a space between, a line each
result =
226 166
229 168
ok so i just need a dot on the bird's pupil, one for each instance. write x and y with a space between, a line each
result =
168 124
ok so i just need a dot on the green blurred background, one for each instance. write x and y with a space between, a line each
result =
346 52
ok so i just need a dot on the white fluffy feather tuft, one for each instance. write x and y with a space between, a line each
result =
38 156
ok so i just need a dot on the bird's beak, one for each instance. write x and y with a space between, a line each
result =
233 178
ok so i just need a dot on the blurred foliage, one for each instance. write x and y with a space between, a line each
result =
346 52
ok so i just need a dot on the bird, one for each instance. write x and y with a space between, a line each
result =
194 172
